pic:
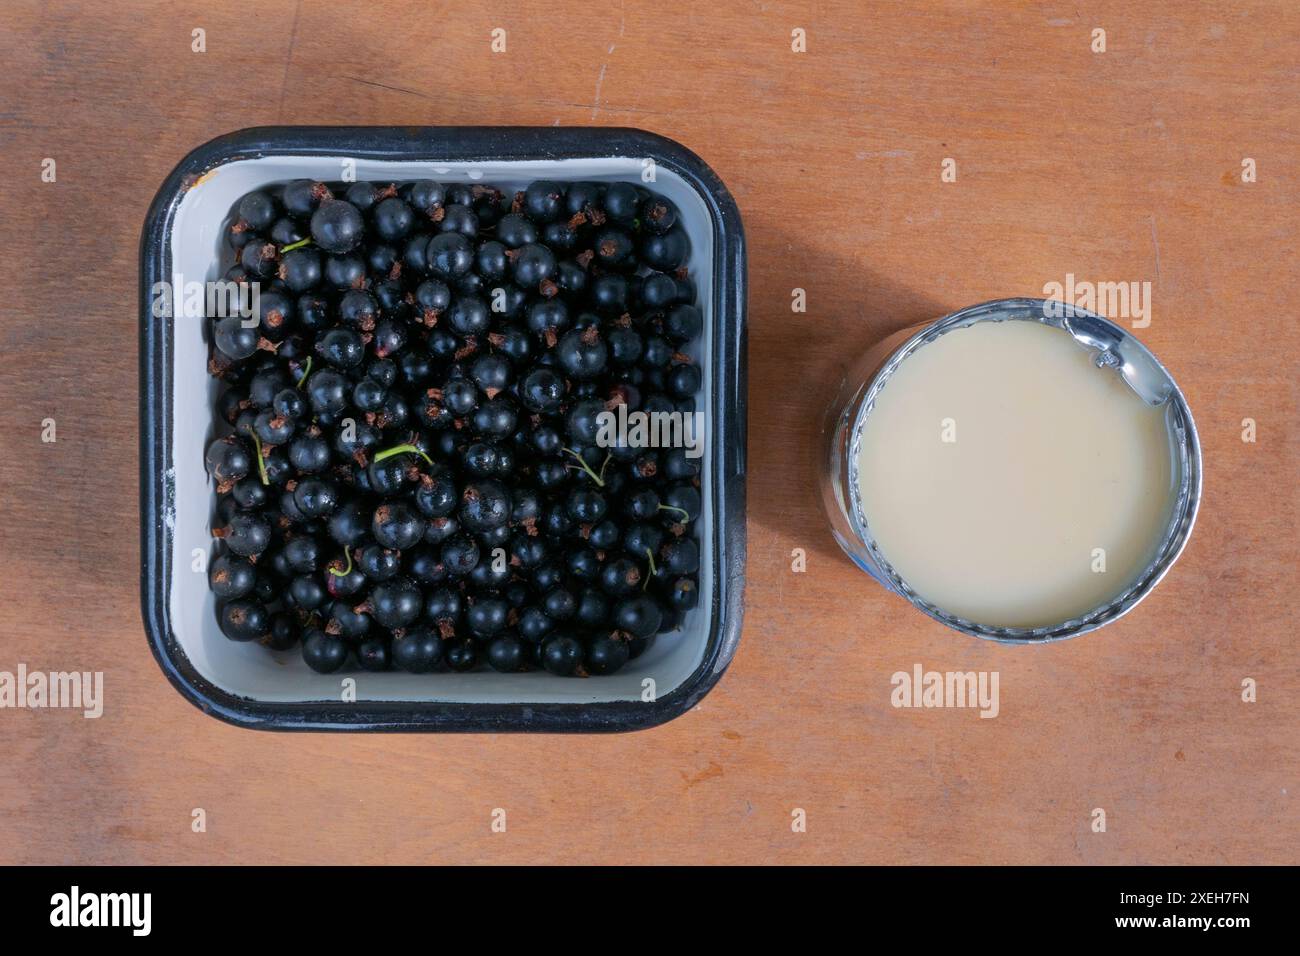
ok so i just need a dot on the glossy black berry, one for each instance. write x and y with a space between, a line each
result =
658 214
396 603
684 380
583 422
301 269
307 592
484 505
593 609
469 315
244 620
344 272
495 418
665 252
486 617
515 230
302 196
336 226
231 576
683 322
532 264
460 555
234 338
257 211
417 650
684 594
639 616
378 563
436 495
548 317
559 604
582 354
681 556
542 390
393 219
315 497
228 460
562 655
327 391
583 197
322 652
259 258
347 621
606 654
374 654
621 201
613 247
397 524
505 654
426 195
544 200
460 219
283 633
247 533
534 624
461 655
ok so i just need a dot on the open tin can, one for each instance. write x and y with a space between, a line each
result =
1114 349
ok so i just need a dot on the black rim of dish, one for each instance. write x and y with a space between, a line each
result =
727 435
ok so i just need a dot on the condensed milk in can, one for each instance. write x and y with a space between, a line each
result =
1021 470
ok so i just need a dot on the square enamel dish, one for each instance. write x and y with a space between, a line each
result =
247 685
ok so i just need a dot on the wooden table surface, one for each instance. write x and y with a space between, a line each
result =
1122 165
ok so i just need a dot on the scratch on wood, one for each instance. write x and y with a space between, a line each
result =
288 58
385 86
595 106
708 773
1155 244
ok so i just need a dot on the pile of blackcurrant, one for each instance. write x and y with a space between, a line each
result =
409 467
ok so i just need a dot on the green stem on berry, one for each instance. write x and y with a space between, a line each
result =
401 450
295 245
686 515
261 462
598 479
306 370
346 571
603 465
651 558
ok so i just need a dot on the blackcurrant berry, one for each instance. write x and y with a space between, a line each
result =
336 226
244 620
323 653
606 654
561 655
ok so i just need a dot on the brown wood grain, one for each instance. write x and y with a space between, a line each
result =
1116 166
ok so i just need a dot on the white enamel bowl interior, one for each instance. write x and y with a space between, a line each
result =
199 254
